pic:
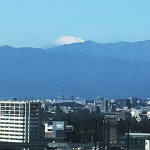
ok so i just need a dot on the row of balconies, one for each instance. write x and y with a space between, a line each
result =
32 121
11 104
33 117
12 140
11 126
35 113
12 117
9 113
10 129
11 133
6 110
11 136
11 108
12 121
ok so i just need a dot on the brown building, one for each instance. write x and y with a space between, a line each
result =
110 127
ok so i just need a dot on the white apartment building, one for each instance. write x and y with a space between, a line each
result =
135 113
147 144
21 122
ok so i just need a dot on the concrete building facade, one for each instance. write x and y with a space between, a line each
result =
21 122
56 130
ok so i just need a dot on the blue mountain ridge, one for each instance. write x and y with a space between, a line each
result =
112 70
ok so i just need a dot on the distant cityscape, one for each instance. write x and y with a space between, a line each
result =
121 123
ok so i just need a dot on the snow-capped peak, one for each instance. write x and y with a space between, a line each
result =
68 40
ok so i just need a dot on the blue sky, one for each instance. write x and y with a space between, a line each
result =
37 23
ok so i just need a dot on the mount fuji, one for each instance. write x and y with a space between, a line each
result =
64 40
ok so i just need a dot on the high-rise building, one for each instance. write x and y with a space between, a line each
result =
133 101
104 105
21 122
125 103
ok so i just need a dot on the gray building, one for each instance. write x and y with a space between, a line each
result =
56 130
104 105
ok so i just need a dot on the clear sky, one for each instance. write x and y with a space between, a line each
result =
36 23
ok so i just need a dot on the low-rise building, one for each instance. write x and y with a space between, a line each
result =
56 130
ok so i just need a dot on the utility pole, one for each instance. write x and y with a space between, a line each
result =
95 133
108 134
127 134
92 137
103 134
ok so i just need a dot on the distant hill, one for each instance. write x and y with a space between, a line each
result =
123 50
116 70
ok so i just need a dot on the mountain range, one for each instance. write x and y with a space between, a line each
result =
112 70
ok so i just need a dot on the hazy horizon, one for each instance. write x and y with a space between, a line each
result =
38 23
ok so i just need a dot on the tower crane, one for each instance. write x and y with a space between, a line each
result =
60 92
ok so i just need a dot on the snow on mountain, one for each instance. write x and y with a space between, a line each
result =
68 40
64 40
